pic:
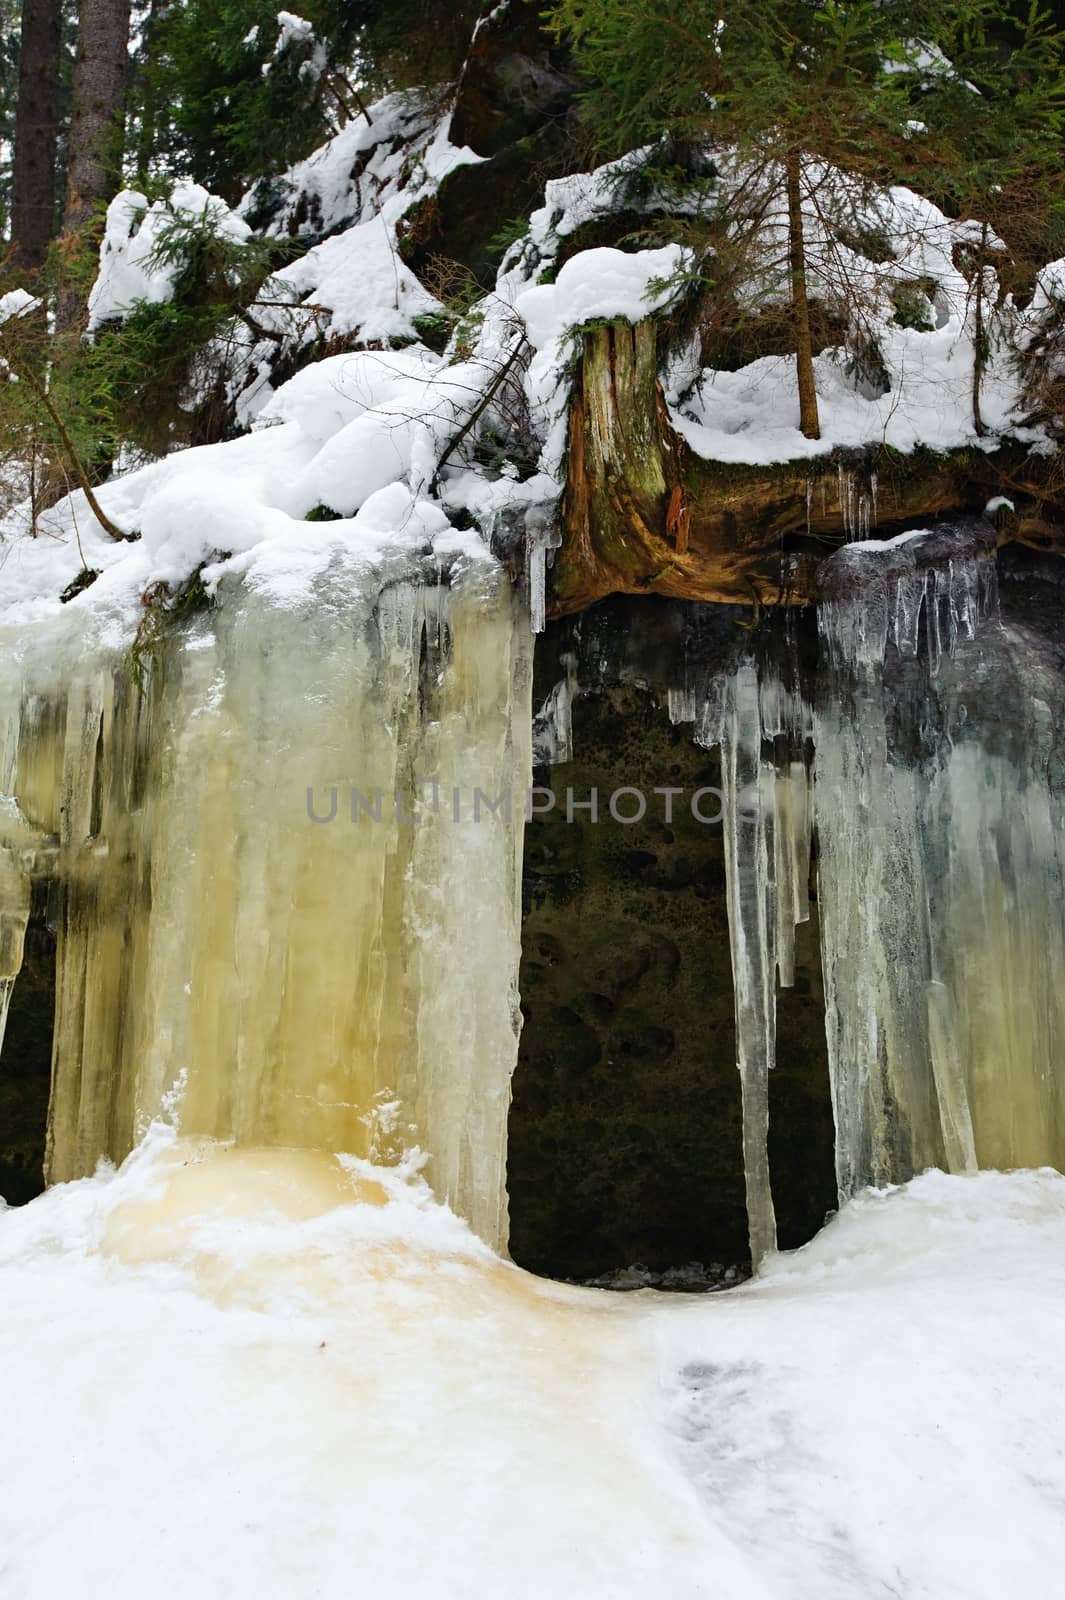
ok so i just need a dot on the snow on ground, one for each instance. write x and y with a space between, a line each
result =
918 389
379 439
362 433
226 1373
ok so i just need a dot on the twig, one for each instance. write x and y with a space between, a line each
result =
27 374
483 404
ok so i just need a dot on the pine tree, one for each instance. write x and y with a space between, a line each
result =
33 201
855 85
97 120
246 97
990 149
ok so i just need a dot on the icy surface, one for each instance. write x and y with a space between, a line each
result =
271 806
242 1375
941 872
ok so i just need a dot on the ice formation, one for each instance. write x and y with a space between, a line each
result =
363 628
273 805
940 878
760 724
922 763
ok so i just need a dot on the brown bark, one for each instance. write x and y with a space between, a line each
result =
101 72
809 421
644 515
979 335
36 128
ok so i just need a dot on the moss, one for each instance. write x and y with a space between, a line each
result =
86 577
164 609
434 329
618 230
461 222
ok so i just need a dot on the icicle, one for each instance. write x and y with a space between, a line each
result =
553 723
748 856
710 723
878 591
537 582
934 620
791 838
542 534
941 879
873 945
14 915
683 705
906 623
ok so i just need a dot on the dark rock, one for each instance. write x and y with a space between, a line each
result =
515 79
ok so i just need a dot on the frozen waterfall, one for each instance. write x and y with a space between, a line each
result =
931 804
267 905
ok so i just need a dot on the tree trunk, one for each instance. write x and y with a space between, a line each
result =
979 335
101 70
36 129
809 421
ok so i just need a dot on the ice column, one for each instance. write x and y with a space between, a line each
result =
941 875
267 897
750 863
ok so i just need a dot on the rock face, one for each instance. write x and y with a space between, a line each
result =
643 515
515 79
514 106
625 1137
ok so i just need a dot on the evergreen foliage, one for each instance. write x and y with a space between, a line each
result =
962 99
247 92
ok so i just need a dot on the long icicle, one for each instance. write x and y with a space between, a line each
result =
751 893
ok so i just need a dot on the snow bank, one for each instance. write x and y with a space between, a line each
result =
360 434
246 1373
878 1414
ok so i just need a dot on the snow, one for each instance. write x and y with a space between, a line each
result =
132 271
361 433
16 303
229 1374
352 283
751 415
600 284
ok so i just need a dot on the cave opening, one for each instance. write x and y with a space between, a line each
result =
625 1163
26 1061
